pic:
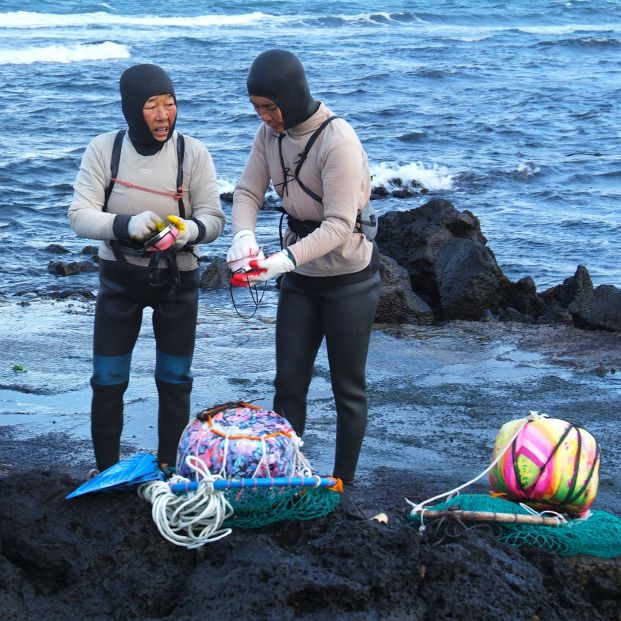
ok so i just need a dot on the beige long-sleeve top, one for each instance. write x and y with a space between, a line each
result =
336 169
201 198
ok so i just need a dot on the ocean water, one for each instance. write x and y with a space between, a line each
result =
511 110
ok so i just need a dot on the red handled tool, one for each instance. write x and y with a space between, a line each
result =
244 279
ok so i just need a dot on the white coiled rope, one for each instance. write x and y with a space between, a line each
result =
190 520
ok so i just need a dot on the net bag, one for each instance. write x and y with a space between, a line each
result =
550 464
599 534
241 440
238 465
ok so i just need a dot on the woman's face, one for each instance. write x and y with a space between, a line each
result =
159 113
269 112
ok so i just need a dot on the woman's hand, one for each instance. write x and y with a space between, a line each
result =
244 245
273 266
188 230
144 225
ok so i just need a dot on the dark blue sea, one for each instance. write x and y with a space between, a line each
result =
511 110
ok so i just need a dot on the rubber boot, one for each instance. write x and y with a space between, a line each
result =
173 416
107 423
349 506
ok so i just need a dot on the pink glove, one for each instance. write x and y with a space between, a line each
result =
273 266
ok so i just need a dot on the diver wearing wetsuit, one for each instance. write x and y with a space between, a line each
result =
330 287
143 199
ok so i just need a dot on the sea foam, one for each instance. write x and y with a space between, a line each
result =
63 53
432 178
25 19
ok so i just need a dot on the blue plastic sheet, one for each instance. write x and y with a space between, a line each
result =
125 475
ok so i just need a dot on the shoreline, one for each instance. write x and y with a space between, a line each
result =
437 398
100 557
437 394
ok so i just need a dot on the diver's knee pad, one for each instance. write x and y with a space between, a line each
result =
173 369
110 370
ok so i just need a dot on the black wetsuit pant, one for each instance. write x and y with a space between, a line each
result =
343 314
124 293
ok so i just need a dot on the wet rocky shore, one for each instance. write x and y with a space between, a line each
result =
440 386
101 558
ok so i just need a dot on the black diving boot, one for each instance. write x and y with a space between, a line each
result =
349 506
173 416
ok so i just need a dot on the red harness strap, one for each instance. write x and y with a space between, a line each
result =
178 195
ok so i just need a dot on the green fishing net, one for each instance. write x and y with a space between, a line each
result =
262 506
598 534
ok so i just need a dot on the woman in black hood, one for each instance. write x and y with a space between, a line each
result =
138 84
279 76
132 184
330 280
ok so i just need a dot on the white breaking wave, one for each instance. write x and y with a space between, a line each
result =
24 19
569 29
63 53
432 178
525 170
225 186
372 17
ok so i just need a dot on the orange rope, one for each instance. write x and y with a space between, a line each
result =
244 437
206 416
220 408
174 195
337 487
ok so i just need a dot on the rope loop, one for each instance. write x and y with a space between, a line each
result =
192 519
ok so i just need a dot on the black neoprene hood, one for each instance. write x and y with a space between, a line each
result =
137 84
279 76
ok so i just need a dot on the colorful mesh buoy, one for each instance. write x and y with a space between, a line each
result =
241 440
551 464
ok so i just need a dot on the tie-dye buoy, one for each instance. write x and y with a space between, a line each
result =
549 464
241 440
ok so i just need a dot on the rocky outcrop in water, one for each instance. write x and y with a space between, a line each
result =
436 265
453 270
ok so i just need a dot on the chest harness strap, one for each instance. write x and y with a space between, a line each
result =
302 228
122 247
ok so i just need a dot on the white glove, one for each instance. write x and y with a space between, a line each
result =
274 265
244 245
144 224
188 230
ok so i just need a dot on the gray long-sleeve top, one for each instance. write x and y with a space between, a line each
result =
336 169
157 172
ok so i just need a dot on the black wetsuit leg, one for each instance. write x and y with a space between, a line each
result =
117 325
344 314
124 292
299 332
174 326
348 312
